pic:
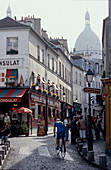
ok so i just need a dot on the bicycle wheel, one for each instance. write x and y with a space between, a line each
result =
57 151
63 150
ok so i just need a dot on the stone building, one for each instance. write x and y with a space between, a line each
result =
33 71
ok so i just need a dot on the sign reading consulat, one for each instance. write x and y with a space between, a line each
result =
11 62
9 100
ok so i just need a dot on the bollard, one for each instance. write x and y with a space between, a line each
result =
102 160
0 159
8 142
7 145
84 151
80 147
91 155
5 149
2 152
78 141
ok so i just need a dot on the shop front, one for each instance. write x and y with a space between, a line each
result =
10 100
46 109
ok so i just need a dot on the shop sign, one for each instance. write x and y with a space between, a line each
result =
103 96
9 62
92 90
10 100
36 98
41 130
32 103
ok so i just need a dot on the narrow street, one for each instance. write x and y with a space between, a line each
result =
39 153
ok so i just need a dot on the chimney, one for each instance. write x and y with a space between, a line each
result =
15 18
22 18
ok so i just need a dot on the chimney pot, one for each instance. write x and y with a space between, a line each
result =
15 18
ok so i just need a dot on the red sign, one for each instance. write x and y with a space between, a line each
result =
32 103
10 100
92 90
103 96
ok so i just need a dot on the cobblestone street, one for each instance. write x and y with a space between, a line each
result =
39 153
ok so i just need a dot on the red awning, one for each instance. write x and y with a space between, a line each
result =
11 95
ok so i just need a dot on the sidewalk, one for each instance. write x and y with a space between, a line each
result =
34 131
99 149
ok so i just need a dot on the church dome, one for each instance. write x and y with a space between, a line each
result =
88 42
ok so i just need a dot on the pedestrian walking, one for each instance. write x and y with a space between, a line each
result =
66 126
81 124
99 129
7 119
73 130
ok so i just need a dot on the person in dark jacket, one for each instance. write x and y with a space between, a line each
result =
73 130
5 133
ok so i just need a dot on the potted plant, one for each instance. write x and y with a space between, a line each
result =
25 128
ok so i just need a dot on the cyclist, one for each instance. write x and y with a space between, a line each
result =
60 133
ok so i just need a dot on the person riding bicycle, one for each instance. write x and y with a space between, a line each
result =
60 133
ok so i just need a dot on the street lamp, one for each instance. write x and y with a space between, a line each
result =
89 77
64 95
46 110
76 100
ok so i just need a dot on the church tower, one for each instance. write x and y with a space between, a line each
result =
9 12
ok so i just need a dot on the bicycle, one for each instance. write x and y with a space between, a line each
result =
62 149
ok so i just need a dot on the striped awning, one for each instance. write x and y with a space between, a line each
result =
11 73
11 95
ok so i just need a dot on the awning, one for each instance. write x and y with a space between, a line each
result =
11 95
11 73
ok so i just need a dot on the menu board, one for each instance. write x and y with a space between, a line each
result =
41 130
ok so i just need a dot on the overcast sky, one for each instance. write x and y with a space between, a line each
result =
61 17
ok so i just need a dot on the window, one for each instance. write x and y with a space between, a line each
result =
53 64
12 77
56 67
76 76
12 46
38 52
97 68
60 92
48 60
80 78
59 68
43 56
65 74
63 71
32 78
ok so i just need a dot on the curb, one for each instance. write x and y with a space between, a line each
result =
92 162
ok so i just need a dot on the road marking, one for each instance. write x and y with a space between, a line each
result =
67 157
43 151
24 150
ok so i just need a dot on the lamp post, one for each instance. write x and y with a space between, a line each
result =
63 115
89 77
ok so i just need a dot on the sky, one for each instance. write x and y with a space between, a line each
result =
60 18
